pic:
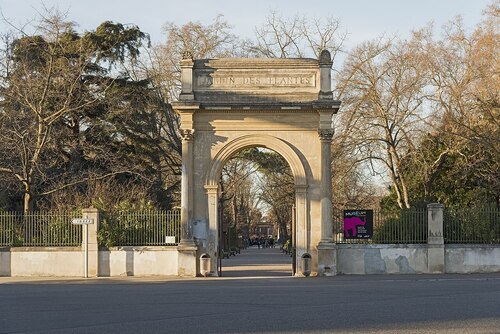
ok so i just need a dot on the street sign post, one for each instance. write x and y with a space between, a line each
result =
85 222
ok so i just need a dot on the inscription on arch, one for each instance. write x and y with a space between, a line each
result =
211 80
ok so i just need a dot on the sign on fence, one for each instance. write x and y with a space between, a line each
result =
170 239
358 224
82 221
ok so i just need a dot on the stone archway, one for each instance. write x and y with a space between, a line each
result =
300 179
254 140
285 105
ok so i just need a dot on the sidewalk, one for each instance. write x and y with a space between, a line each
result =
251 263
258 262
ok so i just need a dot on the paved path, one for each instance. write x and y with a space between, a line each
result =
258 262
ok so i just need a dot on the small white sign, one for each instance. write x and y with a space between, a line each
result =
170 239
82 221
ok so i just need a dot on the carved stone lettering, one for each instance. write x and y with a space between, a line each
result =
233 81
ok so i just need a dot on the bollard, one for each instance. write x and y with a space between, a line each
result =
205 264
306 264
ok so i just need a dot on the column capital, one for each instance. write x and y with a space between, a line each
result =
187 55
186 134
211 189
326 135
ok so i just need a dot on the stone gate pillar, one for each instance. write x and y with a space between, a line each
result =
435 239
187 248
326 185
185 107
93 245
327 256
187 187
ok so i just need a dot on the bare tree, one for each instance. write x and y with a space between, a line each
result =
382 86
352 184
464 80
160 65
280 37
202 41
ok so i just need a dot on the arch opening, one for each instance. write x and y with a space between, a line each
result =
271 239
266 141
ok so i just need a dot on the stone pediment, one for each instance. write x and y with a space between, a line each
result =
257 82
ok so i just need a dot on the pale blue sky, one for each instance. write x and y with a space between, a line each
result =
363 19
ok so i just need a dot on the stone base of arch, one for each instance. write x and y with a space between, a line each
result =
327 259
187 261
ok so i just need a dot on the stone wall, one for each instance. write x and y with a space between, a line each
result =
433 257
41 261
472 258
381 259
68 261
138 261
162 261
413 259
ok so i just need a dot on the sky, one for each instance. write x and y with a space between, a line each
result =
362 19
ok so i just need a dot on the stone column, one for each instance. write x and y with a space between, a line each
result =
93 246
327 250
187 187
325 136
302 228
187 247
435 240
213 219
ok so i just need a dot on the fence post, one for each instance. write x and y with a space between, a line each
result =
435 240
93 246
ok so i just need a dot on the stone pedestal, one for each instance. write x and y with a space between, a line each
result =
327 259
186 261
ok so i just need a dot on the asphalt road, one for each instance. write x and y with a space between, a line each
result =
253 304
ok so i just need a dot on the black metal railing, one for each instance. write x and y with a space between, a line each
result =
39 229
472 225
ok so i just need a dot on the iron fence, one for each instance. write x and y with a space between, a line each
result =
472 225
40 229
408 226
140 228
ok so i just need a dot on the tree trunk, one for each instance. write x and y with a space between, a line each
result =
405 192
28 203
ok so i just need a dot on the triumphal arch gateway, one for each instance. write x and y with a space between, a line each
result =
285 105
